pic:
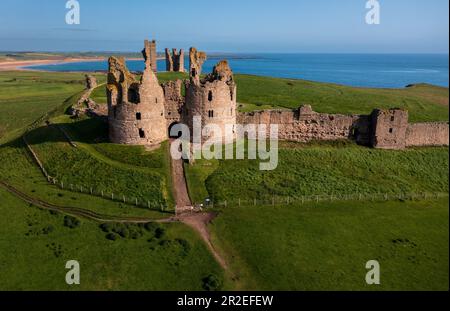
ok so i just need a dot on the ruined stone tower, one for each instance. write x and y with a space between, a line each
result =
150 56
136 112
389 128
175 61
212 98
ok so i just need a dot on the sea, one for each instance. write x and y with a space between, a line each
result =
359 70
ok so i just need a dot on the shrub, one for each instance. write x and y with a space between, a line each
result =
185 245
106 227
212 283
71 222
111 236
151 226
160 232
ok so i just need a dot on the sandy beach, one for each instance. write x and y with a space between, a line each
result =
17 65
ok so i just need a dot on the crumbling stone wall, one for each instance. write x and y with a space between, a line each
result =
427 134
196 60
175 61
174 101
136 111
150 55
212 98
304 124
140 112
91 82
389 128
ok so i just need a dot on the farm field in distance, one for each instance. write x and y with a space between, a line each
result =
311 246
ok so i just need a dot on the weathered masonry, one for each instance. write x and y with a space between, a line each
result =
384 129
150 56
175 61
143 112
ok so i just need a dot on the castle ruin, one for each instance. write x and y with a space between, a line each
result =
143 112
175 61
150 55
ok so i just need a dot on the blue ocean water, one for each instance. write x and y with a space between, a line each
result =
361 70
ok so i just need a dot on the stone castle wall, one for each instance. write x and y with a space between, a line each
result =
427 134
141 112
304 124
136 110
174 101
175 61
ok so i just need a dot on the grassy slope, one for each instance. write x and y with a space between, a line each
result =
25 96
326 168
29 262
424 102
326 246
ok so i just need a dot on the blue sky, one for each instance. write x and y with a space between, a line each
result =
327 26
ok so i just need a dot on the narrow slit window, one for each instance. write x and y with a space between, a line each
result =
141 133
391 130
138 116
210 96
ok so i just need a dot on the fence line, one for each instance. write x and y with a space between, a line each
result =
115 197
296 200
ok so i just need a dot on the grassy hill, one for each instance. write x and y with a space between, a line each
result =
321 169
36 245
310 246
326 246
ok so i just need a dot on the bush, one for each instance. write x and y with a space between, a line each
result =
111 236
71 222
151 226
185 245
212 283
106 227
160 232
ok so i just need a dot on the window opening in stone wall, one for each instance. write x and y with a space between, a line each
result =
138 116
141 133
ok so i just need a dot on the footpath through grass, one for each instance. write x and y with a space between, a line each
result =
326 246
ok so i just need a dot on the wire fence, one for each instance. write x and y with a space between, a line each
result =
304 199
108 195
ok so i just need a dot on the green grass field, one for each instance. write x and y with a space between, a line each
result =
326 246
35 246
321 169
307 247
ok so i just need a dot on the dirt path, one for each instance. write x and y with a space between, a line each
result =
80 212
179 186
197 221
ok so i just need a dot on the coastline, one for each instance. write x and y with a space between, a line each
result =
21 65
